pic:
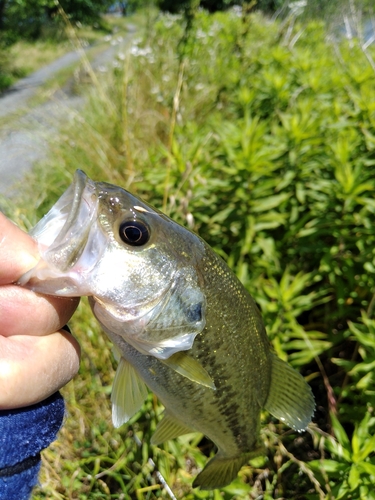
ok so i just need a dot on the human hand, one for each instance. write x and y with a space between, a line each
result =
36 357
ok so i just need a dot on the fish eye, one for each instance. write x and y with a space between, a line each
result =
134 232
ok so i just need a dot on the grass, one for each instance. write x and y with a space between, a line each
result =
263 143
28 57
25 57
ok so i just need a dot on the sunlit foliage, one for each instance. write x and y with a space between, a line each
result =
261 139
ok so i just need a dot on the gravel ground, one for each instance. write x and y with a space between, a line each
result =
24 139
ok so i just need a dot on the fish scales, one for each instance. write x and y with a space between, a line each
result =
229 416
182 322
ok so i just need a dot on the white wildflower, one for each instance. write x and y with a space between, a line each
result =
200 34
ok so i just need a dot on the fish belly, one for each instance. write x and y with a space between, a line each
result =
229 416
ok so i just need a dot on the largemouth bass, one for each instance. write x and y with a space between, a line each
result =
182 322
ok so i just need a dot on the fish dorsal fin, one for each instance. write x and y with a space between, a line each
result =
290 398
128 393
169 428
190 368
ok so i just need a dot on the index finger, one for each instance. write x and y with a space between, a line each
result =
18 251
22 311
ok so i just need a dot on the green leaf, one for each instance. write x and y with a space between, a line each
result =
366 382
266 204
328 466
355 445
363 337
336 449
354 477
365 451
367 467
340 433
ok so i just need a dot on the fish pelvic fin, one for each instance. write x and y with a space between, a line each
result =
190 368
221 471
290 398
128 393
169 428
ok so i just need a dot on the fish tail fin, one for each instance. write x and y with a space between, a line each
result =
221 471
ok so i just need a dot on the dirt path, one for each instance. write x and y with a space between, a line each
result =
25 136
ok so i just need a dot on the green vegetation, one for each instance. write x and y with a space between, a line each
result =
24 57
261 139
33 34
31 19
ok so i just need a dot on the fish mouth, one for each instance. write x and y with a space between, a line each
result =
63 233
67 211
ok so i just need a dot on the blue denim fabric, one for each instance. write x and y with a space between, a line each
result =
24 433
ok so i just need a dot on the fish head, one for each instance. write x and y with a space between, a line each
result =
138 267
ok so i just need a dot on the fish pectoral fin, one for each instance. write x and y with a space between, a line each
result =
221 471
169 428
128 393
188 367
290 398
116 353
